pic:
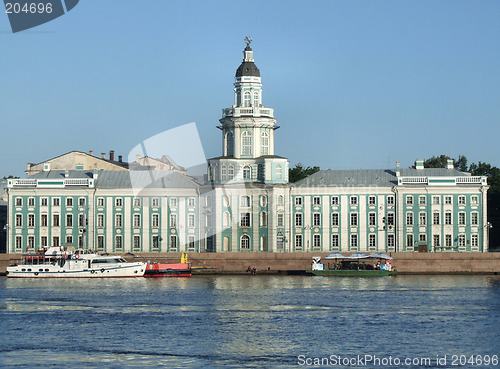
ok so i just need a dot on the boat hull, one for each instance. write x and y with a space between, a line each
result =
168 270
133 269
353 273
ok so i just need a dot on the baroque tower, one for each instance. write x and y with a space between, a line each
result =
248 134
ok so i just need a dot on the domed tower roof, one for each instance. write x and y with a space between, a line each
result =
247 67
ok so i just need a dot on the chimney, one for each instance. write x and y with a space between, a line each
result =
103 155
95 175
450 165
398 171
91 152
419 164
112 155
66 173
120 158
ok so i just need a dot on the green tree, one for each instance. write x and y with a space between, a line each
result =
9 177
299 172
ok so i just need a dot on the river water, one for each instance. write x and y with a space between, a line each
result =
251 322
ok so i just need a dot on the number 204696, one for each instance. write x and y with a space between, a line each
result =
31 8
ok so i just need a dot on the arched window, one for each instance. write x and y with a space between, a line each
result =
223 172
263 219
230 173
246 143
279 173
280 241
246 99
226 220
256 99
247 173
229 144
245 242
264 143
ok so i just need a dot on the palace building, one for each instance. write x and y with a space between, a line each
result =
246 203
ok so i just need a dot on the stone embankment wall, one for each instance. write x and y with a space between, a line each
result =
270 263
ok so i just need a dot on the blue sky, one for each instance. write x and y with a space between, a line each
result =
354 84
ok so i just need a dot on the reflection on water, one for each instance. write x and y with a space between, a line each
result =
243 321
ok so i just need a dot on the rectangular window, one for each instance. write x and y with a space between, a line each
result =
155 243
19 220
173 220
173 242
354 241
475 240
448 242
82 221
69 202
245 220
354 200
447 200
118 243
474 200
409 241
436 241
371 219
474 219
461 240
371 200
55 241
155 202
44 201
409 200
390 241
390 219
118 220
409 219
298 242
461 200
100 220
298 201
316 200
44 220
422 219
372 241
100 202
100 242
118 202
435 218
422 237
447 218
191 202
137 220
316 220
31 242
461 218
435 200
69 220
190 220
298 220
44 241
155 220
31 220
335 241
173 202
19 201
69 240
81 202
335 200
19 242
137 243
56 201
390 200
354 219
422 200
280 220
335 219
137 202
31 201
245 201
55 221
191 243
317 241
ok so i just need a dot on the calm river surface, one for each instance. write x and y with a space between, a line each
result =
250 322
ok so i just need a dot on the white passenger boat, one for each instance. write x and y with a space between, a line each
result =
65 262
